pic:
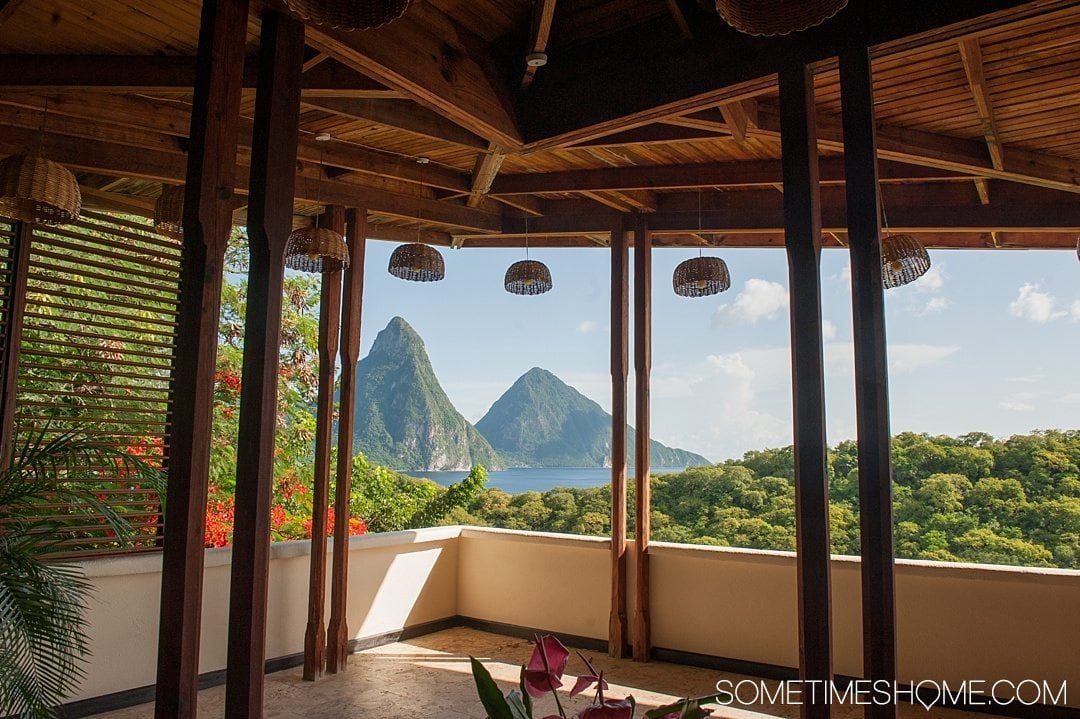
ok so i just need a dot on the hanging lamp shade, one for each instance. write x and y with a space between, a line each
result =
349 14
417 262
33 189
776 17
903 260
169 212
701 277
527 277
316 249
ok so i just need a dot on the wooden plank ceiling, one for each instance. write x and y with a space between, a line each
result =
979 136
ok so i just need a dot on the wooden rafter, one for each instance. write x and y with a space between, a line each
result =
427 57
982 187
680 19
487 167
314 60
401 114
539 33
971 54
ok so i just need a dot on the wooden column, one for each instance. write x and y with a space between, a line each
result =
19 267
208 204
802 227
642 367
871 375
620 363
273 172
329 324
337 635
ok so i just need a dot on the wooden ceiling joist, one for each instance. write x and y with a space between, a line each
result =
159 74
971 54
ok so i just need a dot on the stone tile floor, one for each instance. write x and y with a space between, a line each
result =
429 676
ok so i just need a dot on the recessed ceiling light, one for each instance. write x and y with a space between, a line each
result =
536 59
323 137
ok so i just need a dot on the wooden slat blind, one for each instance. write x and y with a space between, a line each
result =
7 241
96 355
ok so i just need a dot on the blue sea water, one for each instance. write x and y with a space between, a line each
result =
538 479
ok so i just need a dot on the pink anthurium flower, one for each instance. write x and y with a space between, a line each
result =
679 712
587 680
544 671
609 709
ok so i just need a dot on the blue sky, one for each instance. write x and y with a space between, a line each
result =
986 341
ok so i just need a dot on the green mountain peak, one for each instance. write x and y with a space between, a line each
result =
543 422
404 420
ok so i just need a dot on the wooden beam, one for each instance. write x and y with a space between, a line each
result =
948 153
618 637
484 172
18 266
314 60
93 197
273 159
749 173
329 324
654 81
680 19
737 117
606 201
539 33
871 380
210 177
126 161
642 631
982 187
971 55
158 74
402 115
337 634
436 66
639 200
802 226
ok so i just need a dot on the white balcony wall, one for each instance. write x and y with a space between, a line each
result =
955 622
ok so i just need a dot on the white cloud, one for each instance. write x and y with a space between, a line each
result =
1026 379
759 299
1035 306
932 281
1016 406
934 305
909 357
828 330
1071 398
844 275
1075 311
585 327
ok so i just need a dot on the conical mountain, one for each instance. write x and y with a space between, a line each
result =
404 420
543 422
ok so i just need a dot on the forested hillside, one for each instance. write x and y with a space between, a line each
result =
971 498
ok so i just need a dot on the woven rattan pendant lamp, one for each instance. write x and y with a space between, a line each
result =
416 261
700 276
776 17
903 257
349 14
527 277
33 189
313 248
169 211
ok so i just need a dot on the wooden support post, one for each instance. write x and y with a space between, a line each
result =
620 363
337 635
19 268
329 324
208 205
802 225
273 163
642 367
871 376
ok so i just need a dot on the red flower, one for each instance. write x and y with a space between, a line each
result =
544 671
609 709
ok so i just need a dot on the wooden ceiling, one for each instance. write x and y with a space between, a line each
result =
648 106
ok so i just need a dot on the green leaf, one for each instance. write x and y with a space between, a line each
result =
690 708
494 703
525 698
516 701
